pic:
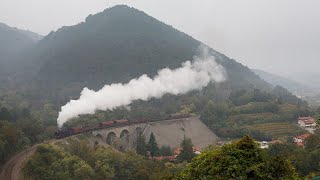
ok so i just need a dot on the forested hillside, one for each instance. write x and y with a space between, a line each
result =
121 43
115 45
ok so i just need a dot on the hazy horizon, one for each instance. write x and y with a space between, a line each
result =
277 37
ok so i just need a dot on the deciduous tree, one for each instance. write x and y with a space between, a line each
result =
239 160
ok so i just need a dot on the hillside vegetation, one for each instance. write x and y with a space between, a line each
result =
281 81
113 46
303 85
76 159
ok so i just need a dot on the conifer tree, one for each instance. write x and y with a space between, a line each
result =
153 146
141 145
165 151
186 153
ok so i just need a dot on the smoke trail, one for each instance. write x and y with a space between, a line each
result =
191 76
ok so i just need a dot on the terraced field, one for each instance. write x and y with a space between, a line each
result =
277 130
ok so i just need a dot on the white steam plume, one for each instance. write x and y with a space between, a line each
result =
190 76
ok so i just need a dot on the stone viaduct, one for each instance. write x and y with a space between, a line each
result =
168 132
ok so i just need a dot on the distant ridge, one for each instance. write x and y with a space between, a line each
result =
14 41
281 81
34 36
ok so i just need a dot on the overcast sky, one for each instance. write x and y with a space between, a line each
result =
279 36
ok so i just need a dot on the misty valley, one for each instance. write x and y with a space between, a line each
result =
123 95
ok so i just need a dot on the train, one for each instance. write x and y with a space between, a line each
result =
65 132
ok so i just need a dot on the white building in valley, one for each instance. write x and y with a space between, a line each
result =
308 123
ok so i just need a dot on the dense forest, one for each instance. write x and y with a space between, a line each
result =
21 128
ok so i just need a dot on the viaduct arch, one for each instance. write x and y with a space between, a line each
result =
168 132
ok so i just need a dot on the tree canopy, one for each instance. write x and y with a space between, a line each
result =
141 147
242 159
153 146
186 153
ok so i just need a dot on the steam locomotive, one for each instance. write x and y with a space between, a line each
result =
62 133
78 130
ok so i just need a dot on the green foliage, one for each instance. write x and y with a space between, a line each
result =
281 149
79 148
50 162
5 115
278 129
312 142
12 140
250 112
256 107
305 160
186 153
243 97
239 160
103 170
188 110
20 128
141 147
215 114
284 95
153 146
62 162
165 151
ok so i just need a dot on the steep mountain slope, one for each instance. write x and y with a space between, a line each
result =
13 41
114 46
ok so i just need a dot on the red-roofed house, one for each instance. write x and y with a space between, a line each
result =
177 151
308 123
300 140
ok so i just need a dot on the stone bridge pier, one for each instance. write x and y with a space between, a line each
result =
122 138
